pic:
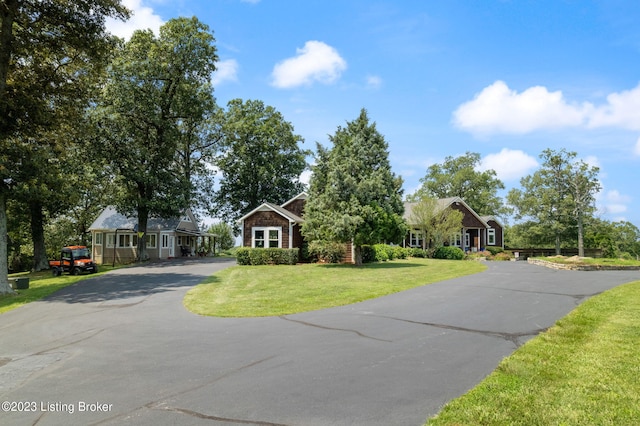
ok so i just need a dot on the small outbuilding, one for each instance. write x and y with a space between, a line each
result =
115 237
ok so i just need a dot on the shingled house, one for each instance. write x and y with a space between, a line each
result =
115 237
476 233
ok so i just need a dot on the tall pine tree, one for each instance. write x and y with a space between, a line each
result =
354 196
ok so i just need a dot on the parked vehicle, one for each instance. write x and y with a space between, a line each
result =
73 260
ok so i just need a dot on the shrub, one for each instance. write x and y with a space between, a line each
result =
494 250
502 256
400 252
417 252
448 252
381 253
327 251
242 256
268 256
368 254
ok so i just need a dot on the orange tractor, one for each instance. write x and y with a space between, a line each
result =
73 260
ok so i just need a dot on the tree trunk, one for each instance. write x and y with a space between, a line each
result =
357 254
5 288
558 251
40 261
143 217
580 236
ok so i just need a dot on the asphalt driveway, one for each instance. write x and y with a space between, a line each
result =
122 349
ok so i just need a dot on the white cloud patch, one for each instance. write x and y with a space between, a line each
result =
498 109
142 18
315 62
622 110
374 82
636 149
226 70
615 202
509 164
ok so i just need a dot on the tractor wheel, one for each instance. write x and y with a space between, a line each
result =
56 272
75 271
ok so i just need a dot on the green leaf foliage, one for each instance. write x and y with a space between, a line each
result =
448 252
459 177
261 159
155 86
354 196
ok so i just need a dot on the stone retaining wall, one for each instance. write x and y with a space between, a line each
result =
565 266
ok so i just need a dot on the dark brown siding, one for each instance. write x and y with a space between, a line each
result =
469 220
265 218
499 232
296 207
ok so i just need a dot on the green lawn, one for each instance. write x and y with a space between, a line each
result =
42 284
582 371
252 291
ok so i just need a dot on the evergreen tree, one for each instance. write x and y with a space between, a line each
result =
354 196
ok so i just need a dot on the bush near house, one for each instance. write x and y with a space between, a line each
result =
326 251
448 252
266 256
494 250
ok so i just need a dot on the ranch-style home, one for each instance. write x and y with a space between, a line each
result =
476 234
271 225
115 237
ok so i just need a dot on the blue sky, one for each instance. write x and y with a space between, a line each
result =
506 79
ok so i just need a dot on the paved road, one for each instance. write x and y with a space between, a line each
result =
121 349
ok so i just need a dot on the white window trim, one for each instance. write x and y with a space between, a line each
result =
155 241
266 230
98 239
491 237
467 240
111 240
456 240
165 241
415 238
133 240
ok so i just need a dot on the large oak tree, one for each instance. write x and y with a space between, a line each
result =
157 89
46 47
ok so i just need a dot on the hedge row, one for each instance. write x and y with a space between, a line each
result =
384 252
266 256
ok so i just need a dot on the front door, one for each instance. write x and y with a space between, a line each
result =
172 246
168 245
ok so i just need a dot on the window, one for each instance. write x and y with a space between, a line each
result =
456 240
152 241
165 241
127 240
491 237
415 238
267 237
98 239
111 240
467 239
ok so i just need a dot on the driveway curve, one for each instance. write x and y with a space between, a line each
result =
122 349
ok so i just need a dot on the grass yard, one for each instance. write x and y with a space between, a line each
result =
42 284
253 291
582 371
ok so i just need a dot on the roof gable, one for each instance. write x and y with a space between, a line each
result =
441 204
291 217
111 219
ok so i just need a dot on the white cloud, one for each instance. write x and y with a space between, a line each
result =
374 82
498 109
226 70
509 164
305 177
622 110
142 18
316 61
636 149
614 202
